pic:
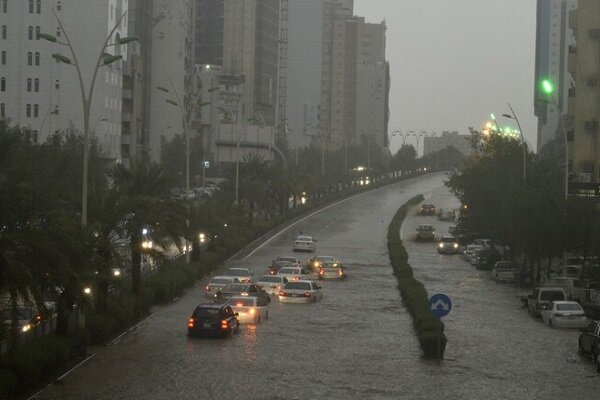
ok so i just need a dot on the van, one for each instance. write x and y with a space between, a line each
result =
504 271
573 287
541 298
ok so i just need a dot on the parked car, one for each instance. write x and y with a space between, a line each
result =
469 250
213 320
504 271
249 310
243 274
305 243
573 287
24 317
564 314
242 289
448 245
541 297
283 261
217 283
303 291
589 342
427 209
425 232
486 258
272 283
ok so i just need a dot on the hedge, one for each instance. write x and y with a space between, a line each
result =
429 330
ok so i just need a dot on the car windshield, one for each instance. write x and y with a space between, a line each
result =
219 281
289 271
568 307
304 238
298 285
238 287
238 272
204 312
448 240
325 258
287 259
425 228
275 279
550 295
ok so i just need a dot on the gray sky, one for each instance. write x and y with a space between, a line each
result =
453 62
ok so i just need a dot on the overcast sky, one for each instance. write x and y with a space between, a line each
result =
453 62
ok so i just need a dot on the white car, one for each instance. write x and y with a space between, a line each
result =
243 274
217 283
564 314
292 273
303 291
469 249
272 284
305 243
317 261
250 310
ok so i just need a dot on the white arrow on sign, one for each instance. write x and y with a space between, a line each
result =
440 304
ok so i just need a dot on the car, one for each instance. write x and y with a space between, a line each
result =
242 289
211 319
448 245
504 271
331 270
24 317
317 261
485 258
249 310
302 291
305 243
271 283
292 273
446 214
427 209
541 297
217 283
469 251
242 273
564 314
425 232
589 342
574 287
283 261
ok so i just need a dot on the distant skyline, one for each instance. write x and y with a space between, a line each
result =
452 63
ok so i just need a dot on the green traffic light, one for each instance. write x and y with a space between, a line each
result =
547 86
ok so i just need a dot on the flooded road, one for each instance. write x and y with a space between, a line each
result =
358 342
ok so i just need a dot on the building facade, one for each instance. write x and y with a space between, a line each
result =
44 96
554 42
462 143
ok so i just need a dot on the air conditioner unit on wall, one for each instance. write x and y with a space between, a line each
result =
585 177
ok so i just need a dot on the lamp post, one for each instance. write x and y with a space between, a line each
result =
398 132
104 58
523 143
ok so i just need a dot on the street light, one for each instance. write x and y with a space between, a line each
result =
523 143
104 59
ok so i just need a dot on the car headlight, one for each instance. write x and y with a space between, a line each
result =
441 245
456 245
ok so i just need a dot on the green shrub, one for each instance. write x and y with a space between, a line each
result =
433 344
80 339
101 327
39 359
8 382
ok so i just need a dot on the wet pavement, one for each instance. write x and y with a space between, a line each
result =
358 342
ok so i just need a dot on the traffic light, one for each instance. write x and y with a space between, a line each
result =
547 86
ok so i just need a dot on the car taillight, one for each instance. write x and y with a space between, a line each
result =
191 323
306 294
252 311
224 324
208 288
340 272
272 272
321 271
282 293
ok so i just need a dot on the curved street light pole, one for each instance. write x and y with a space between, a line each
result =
514 116
86 98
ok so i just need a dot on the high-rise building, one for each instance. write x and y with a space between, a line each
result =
554 42
45 96
171 66
584 105
462 143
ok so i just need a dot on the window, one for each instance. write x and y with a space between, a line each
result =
56 84
38 6
4 58
28 111
29 58
30 33
2 110
57 32
36 85
30 6
4 6
37 32
34 136
58 5
3 84
4 31
37 58
36 109
29 84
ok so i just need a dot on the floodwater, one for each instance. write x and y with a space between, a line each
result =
358 342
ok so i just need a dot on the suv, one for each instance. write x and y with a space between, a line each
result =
541 298
573 287
425 232
213 320
427 209
448 245
589 342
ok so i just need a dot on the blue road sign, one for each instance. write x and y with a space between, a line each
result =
440 305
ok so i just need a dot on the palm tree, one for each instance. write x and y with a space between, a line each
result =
143 197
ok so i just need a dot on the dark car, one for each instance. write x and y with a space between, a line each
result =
213 320
486 258
589 342
427 209
282 261
243 289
